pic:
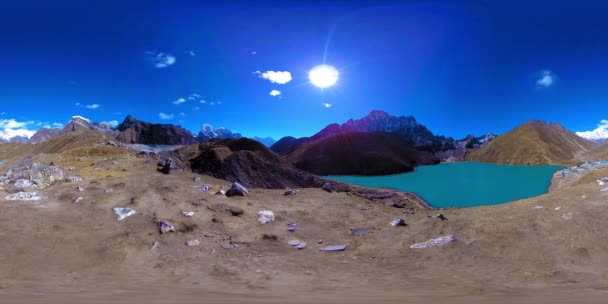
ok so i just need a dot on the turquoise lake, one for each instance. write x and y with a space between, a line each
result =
465 184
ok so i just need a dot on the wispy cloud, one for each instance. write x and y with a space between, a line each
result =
10 128
599 133
57 125
92 106
194 96
275 93
161 60
179 101
191 53
2 113
78 104
546 79
327 105
202 101
164 116
280 77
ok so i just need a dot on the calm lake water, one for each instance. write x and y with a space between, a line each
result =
465 184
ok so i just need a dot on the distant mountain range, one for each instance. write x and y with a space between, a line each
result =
378 143
132 131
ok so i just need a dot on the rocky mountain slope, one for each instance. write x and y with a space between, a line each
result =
247 162
133 131
534 143
359 153
376 121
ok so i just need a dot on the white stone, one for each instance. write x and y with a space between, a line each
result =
24 196
123 213
265 216
441 241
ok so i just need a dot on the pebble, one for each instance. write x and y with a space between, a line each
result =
192 243
78 199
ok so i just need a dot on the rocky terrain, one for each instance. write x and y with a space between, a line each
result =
535 143
184 243
134 131
414 138
359 153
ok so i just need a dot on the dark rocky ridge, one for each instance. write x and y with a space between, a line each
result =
133 131
359 153
250 163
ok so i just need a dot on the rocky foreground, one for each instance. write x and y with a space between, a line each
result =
185 243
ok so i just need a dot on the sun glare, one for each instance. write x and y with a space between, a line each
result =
323 76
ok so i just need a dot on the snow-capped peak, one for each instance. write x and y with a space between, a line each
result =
600 133
78 117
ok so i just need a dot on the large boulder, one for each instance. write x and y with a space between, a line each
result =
237 190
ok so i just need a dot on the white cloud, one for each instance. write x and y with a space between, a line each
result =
164 116
546 79
280 77
275 93
601 132
57 125
179 101
194 96
10 128
111 123
253 52
78 104
327 105
212 103
161 60
202 101
219 102
93 106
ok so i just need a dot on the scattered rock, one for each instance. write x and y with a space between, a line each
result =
23 196
441 217
538 207
73 179
38 182
604 189
109 190
294 242
193 243
187 213
292 227
332 248
114 163
558 208
167 167
204 188
398 222
154 246
123 213
361 231
196 179
567 216
237 190
290 192
80 188
441 241
166 227
327 187
78 199
24 183
221 192
300 246
111 143
265 216
398 204
269 237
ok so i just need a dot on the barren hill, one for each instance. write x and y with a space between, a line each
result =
535 143
359 153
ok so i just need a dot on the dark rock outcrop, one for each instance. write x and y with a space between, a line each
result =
250 163
134 131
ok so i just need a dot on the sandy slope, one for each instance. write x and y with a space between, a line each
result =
57 251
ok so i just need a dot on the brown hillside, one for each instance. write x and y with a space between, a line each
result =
534 143
358 153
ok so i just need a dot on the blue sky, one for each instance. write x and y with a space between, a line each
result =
458 66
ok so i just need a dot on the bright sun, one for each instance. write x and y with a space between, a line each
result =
323 76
